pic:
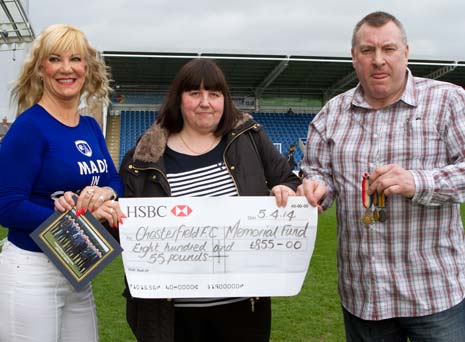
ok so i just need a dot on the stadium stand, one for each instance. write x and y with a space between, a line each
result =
264 85
284 129
133 124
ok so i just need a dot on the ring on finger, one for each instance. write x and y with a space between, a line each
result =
101 198
111 210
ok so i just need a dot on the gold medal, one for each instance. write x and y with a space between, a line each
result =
381 203
367 201
376 214
367 219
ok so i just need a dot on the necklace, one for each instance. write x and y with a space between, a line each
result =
197 153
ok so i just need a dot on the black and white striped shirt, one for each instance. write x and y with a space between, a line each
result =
211 180
204 175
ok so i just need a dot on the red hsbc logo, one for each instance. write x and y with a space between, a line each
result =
181 210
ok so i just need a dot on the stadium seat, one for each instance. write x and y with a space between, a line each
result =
282 128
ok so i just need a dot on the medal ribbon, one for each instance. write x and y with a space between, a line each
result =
367 199
380 199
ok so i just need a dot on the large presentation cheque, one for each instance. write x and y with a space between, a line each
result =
188 247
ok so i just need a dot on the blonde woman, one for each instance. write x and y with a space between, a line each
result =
50 154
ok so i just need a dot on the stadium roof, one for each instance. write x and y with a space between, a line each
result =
15 29
261 75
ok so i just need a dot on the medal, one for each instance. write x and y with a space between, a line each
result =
382 216
367 219
376 215
375 204
376 200
367 201
381 199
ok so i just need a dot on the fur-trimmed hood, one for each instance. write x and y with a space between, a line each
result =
152 143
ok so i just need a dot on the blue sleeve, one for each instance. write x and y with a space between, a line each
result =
20 160
115 181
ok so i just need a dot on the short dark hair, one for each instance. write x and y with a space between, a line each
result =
193 75
378 19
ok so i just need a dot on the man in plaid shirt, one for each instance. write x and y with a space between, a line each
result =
391 153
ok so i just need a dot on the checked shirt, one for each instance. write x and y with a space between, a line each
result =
413 264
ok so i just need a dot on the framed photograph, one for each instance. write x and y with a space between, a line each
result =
80 247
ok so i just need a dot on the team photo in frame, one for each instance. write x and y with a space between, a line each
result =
79 246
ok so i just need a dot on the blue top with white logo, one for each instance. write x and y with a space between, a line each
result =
40 159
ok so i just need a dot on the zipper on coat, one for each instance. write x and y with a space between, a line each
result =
236 135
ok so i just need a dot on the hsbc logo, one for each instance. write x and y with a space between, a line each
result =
147 211
181 210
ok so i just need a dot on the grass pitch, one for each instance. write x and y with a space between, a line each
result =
313 315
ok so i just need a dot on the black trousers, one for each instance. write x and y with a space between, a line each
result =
155 320
151 320
237 322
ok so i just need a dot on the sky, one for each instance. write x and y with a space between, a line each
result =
435 29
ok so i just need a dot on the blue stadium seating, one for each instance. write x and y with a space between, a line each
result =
282 128
286 129
133 124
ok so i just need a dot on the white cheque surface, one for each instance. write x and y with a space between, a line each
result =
187 247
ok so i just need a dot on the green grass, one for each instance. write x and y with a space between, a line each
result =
111 305
313 315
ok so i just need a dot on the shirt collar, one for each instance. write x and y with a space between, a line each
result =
408 96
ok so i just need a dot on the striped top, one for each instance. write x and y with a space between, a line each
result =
413 264
199 176
211 180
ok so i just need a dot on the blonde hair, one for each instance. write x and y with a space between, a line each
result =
56 39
